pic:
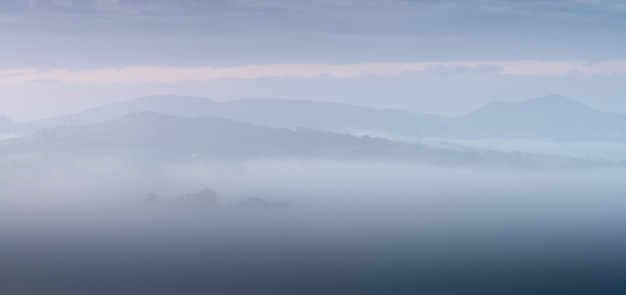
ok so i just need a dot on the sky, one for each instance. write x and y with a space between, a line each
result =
444 57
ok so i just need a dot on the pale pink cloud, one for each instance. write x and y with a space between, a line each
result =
155 74
538 67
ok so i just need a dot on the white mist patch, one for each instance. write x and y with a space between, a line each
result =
8 136
382 193
594 150
600 150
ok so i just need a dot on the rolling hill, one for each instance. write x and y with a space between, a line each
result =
551 118
154 137
324 116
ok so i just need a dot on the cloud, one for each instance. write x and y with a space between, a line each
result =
155 74
563 67
60 33
581 7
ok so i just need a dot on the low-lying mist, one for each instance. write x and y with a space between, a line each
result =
597 150
103 225
7 136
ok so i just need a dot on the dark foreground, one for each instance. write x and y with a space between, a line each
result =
323 252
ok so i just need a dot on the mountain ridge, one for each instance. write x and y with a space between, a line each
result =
152 137
539 103
550 117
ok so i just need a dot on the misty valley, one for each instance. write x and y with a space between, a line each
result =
159 196
312 147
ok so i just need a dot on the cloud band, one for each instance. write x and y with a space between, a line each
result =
157 74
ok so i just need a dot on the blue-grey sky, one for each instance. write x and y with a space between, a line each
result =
444 57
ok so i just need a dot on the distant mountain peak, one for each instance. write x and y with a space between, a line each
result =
553 99
549 103
171 98
556 103
550 116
